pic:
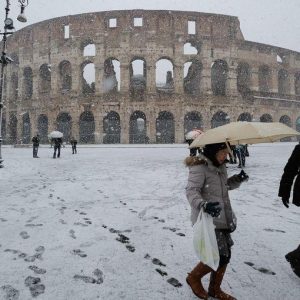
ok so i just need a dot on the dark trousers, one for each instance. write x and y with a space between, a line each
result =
74 150
241 157
56 148
35 151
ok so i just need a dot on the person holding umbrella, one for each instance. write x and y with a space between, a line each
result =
35 144
291 171
190 137
56 139
207 188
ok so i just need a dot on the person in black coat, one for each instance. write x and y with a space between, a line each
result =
35 144
57 145
73 142
291 170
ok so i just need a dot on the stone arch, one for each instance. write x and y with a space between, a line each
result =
283 82
43 128
164 75
219 118
219 73
138 128
245 117
88 77
192 120
64 125
65 74
243 78
14 86
286 120
138 77
27 82
111 75
264 78
297 83
165 128
266 118
26 128
44 79
87 127
112 128
192 77
13 129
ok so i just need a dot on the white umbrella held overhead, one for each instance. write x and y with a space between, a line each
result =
245 133
55 134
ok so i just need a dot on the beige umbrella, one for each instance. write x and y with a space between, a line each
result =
245 133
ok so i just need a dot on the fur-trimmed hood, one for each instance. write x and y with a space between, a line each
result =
195 160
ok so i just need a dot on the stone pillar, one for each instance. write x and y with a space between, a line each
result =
254 85
274 81
179 128
151 77
35 83
178 78
205 83
291 80
98 127
124 122
124 77
55 84
76 79
99 79
231 83
151 127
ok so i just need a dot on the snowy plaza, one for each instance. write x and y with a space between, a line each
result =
112 222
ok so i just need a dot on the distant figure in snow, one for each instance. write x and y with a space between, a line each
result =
232 157
291 170
73 142
57 145
241 155
35 145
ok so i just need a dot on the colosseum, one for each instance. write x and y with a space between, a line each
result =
139 76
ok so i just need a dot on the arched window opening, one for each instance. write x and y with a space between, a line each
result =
165 128
245 117
219 118
111 76
283 82
26 130
64 125
12 129
137 128
43 128
297 83
14 86
189 49
164 76
219 72
279 59
192 77
65 73
87 127
138 78
88 79
45 78
287 121
192 120
27 83
89 50
266 118
264 79
111 128
243 78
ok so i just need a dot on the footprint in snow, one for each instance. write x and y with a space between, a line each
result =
24 235
37 270
260 269
35 287
156 261
11 293
79 253
174 282
88 279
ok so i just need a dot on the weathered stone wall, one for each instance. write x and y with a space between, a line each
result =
163 34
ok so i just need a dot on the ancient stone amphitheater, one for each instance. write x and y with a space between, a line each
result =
142 76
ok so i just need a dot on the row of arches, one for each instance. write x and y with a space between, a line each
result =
164 124
192 76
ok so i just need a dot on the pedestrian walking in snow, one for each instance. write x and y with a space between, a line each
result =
232 155
73 142
291 171
241 155
57 145
207 188
35 145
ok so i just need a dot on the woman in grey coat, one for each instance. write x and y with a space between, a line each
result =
207 188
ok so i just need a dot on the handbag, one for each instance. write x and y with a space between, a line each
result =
204 240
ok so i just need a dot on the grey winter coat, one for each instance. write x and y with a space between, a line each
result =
208 183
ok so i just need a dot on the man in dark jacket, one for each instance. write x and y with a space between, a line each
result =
57 145
35 144
73 142
291 170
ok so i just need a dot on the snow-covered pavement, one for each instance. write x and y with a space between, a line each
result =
113 223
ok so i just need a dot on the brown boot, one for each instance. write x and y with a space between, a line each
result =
194 280
214 289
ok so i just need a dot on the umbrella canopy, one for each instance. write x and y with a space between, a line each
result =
245 133
55 134
191 135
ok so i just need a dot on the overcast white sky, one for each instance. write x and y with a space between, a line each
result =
275 22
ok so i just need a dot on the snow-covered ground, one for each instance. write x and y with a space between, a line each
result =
113 223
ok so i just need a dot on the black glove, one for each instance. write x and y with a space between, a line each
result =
285 201
243 176
213 208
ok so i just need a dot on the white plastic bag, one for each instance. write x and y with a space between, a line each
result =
205 242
